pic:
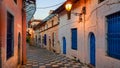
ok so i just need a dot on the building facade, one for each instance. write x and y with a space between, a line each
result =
92 34
33 34
12 33
47 33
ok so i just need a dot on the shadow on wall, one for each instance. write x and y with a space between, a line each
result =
57 47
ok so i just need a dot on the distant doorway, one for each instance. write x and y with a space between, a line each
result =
50 44
19 41
64 45
92 49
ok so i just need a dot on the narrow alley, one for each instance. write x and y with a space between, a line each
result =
59 33
42 58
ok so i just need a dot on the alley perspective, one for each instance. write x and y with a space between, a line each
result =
42 58
59 33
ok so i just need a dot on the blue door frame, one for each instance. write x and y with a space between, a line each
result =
92 49
64 45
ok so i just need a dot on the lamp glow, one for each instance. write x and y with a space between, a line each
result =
68 6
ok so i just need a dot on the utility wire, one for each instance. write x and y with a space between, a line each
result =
49 6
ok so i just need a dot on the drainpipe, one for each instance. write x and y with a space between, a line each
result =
84 32
24 58
0 36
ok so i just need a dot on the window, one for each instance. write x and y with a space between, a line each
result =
46 26
100 1
53 39
52 22
113 35
45 39
40 38
10 35
74 38
36 38
15 1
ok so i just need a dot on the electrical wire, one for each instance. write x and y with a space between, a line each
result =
49 6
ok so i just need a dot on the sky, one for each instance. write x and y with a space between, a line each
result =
41 11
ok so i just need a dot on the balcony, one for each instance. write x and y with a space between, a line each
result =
30 7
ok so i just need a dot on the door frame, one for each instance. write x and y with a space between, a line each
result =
64 44
92 57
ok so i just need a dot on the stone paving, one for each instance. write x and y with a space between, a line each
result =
42 58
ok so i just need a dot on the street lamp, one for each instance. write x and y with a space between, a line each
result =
68 7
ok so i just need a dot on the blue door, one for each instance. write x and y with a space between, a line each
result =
92 49
64 45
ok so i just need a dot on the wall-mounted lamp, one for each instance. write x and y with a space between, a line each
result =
68 7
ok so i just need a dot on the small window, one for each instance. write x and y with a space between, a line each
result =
74 38
15 1
53 39
100 1
46 26
52 22
40 38
10 35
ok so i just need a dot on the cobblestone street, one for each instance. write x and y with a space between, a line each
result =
42 58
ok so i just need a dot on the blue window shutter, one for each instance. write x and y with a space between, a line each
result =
113 35
74 38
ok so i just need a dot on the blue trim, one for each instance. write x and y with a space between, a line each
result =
92 49
64 45
113 35
74 38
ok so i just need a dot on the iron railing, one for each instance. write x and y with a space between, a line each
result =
30 7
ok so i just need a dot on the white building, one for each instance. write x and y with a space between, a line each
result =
94 37
47 33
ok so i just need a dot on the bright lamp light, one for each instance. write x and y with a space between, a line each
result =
68 6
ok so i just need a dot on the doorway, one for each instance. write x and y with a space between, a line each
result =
92 49
50 44
64 45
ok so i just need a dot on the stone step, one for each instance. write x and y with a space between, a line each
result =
48 65
42 66
55 66
60 64
76 66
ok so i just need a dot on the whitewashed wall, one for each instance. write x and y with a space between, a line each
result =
95 22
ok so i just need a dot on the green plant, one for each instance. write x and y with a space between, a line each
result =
28 39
